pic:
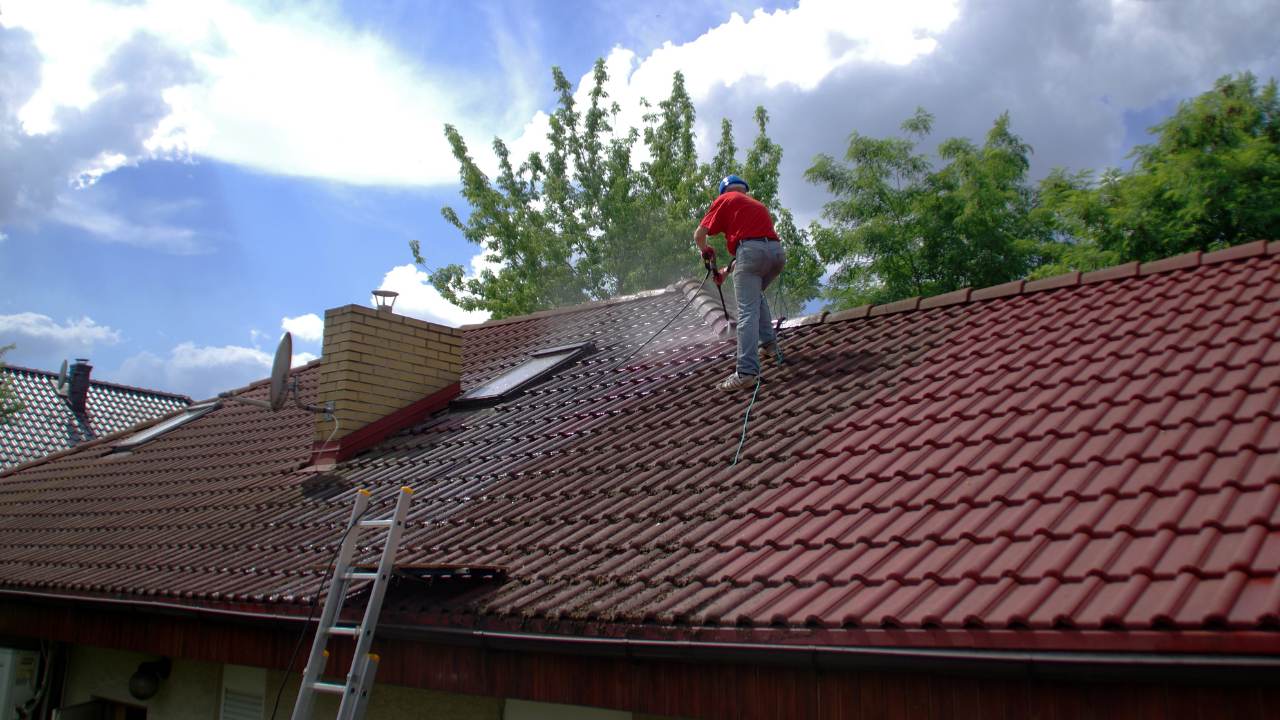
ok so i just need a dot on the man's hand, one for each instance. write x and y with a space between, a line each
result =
708 254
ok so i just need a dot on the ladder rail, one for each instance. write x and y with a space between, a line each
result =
366 685
357 692
359 680
317 659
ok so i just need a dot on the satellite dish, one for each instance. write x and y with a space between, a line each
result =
63 387
280 372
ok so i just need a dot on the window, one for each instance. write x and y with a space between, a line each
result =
538 367
165 426
243 692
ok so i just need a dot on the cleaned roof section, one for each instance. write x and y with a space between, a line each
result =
47 425
1102 456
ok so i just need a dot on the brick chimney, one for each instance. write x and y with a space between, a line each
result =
78 392
383 371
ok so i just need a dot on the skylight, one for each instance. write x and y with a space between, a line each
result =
514 381
165 426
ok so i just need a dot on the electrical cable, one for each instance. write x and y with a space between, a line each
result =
315 601
692 296
336 425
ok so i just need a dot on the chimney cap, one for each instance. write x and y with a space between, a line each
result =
385 299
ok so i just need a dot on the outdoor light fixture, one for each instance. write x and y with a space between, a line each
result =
145 682
386 299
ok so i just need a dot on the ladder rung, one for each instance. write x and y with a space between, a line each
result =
349 630
360 575
377 523
329 687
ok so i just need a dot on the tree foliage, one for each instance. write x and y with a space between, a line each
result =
589 220
9 405
1210 179
899 226
586 221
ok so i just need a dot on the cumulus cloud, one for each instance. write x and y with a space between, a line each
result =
288 89
200 371
40 171
307 328
1071 74
40 336
796 49
265 85
420 300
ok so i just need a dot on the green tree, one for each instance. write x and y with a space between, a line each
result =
898 227
802 278
9 405
585 221
1210 179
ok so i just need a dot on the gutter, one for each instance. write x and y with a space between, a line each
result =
1013 664
1025 664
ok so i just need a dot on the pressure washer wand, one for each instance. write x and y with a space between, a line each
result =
719 278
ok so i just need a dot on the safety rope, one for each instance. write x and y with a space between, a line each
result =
745 419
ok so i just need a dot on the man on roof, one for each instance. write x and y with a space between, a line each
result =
758 260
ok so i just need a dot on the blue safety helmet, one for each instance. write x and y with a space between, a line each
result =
733 180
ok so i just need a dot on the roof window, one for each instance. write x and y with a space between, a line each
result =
165 426
538 367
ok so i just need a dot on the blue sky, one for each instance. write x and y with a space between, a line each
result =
182 181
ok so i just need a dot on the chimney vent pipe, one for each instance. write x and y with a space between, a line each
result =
79 392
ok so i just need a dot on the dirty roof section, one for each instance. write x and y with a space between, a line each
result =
47 424
1014 466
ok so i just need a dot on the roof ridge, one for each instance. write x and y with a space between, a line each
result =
1185 261
263 381
589 305
709 306
705 304
105 383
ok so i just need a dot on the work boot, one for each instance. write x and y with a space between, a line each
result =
737 382
771 349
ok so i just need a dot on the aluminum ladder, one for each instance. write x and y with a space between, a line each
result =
364 665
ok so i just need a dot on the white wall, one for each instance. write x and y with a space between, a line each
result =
190 693
391 702
194 692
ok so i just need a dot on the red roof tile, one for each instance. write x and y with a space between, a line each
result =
1096 453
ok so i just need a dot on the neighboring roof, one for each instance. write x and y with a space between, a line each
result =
1078 463
47 424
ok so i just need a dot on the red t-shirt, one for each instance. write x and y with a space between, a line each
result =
738 216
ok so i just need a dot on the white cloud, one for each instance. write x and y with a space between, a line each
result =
420 300
39 336
307 328
153 229
299 91
290 90
797 48
108 130
201 371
